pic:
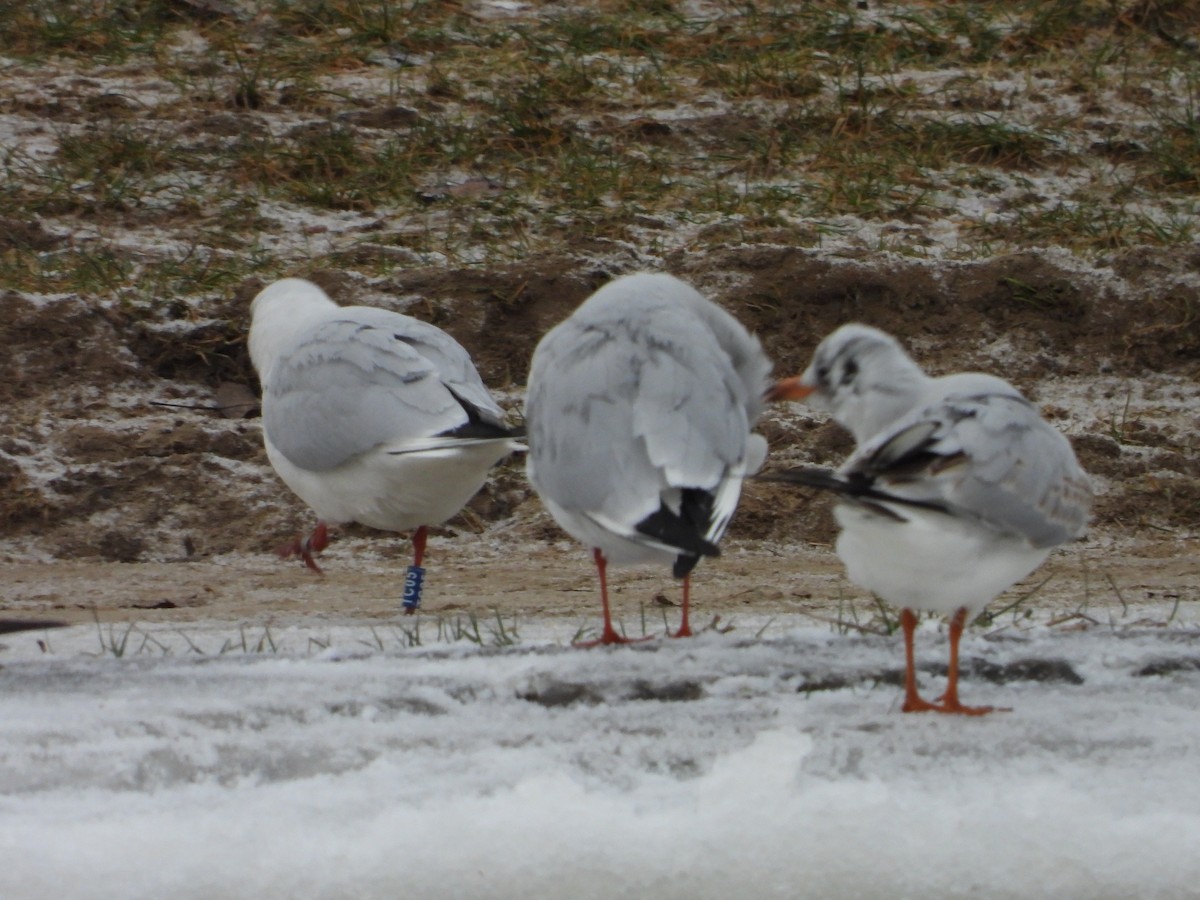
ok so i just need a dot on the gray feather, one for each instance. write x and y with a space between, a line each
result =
989 458
365 378
629 400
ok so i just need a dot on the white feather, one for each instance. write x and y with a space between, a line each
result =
356 403
647 390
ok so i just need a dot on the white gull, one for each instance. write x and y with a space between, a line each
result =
957 488
370 416
640 408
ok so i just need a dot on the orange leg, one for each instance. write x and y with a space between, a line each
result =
314 543
950 701
912 700
685 628
609 634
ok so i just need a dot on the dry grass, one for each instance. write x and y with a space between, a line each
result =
174 133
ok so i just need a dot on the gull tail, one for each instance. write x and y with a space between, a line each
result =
685 530
856 489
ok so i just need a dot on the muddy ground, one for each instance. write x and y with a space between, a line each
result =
134 484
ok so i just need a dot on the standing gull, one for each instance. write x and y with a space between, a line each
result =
370 416
639 413
957 488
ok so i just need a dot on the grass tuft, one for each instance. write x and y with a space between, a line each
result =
201 135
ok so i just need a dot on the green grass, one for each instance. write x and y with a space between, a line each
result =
765 118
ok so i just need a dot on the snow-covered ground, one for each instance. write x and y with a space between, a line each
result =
725 766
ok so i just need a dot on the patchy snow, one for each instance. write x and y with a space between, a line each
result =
41 301
308 232
703 768
499 9
1158 399
38 462
23 140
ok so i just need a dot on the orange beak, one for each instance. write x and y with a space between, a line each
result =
788 389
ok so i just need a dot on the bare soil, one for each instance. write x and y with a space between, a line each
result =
127 508
133 483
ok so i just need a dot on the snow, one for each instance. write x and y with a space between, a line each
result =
692 769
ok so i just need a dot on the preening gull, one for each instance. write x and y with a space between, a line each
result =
370 416
956 490
639 409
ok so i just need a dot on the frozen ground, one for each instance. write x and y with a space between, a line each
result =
1055 246
729 765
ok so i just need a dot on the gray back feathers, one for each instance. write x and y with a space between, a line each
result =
988 458
647 385
343 380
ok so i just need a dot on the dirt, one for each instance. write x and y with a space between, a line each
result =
129 494
133 483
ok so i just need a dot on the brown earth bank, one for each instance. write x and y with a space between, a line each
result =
132 470
503 583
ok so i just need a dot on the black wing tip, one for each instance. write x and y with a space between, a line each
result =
477 426
12 626
685 562
858 488
479 430
684 530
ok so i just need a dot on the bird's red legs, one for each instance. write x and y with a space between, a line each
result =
912 700
685 629
949 700
609 634
314 543
418 542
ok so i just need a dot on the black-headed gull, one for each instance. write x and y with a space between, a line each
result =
957 488
639 409
370 416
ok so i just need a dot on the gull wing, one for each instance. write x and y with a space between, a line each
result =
364 378
987 457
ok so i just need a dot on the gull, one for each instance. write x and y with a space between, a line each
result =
639 409
956 490
370 416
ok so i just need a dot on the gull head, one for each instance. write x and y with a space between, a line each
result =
278 314
859 375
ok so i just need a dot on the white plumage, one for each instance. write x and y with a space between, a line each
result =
640 409
957 488
370 416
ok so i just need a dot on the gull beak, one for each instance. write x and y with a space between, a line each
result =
788 389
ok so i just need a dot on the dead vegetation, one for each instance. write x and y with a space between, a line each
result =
1006 186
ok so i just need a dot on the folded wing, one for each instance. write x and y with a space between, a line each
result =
987 458
368 378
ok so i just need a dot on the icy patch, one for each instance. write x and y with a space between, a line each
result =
683 769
